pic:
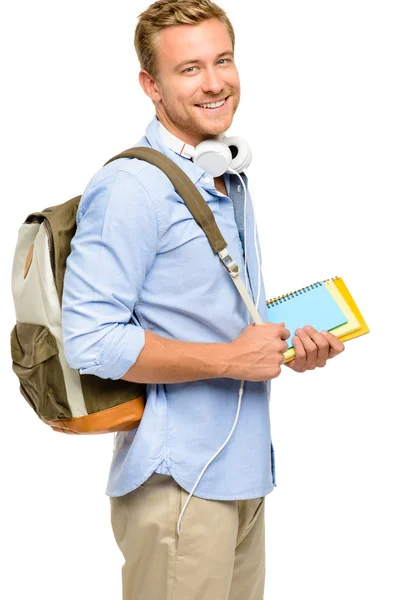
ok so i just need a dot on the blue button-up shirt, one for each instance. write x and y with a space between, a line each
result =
140 261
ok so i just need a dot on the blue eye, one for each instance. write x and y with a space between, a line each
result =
188 70
191 69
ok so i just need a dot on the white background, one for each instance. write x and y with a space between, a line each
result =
320 108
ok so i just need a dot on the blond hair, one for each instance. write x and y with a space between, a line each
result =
167 13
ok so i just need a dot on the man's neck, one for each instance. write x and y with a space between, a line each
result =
192 139
219 183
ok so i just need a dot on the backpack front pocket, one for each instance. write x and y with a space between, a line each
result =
34 353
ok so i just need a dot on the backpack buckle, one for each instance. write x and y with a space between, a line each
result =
229 263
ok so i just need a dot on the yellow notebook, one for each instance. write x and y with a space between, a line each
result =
331 308
349 335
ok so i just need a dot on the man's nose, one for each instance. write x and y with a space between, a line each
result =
212 81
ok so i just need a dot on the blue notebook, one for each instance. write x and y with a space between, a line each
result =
312 305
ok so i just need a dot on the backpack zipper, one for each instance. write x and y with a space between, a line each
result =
50 239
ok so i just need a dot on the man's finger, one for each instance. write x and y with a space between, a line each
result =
300 360
322 344
285 333
310 347
336 346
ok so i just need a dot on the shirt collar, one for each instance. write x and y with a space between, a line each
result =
156 141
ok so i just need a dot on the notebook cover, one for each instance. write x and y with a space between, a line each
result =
312 305
352 323
351 311
340 284
341 332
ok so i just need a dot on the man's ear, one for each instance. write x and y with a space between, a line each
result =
149 85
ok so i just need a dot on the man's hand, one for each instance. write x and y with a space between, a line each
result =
257 353
313 349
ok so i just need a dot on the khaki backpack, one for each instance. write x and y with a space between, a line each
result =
60 396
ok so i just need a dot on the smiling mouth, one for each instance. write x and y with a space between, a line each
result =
213 105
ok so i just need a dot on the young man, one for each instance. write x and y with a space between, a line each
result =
139 255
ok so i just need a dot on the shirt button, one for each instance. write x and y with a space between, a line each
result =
239 187
207 180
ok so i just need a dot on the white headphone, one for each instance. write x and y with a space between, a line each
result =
227 155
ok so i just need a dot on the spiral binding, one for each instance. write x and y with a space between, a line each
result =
278 299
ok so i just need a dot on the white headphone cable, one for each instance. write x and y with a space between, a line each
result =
242 382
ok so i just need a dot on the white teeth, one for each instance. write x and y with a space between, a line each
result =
212 104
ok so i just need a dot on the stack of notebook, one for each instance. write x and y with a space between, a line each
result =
325 305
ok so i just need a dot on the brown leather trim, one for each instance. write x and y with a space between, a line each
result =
123 417
28 261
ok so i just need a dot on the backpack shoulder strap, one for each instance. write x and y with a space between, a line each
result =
186 189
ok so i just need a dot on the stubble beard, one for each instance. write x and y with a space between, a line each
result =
192 125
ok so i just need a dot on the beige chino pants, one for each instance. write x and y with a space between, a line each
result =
219 554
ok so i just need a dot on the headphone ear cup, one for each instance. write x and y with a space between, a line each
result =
241 153
213 156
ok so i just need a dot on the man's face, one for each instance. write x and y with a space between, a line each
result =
196 66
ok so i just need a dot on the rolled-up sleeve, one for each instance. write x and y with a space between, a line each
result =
112 250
